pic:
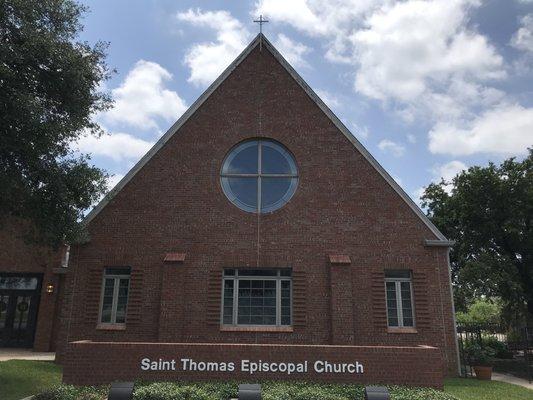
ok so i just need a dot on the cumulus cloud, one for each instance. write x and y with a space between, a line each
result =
206 61
293 52
388 146
142 98
523 38
116 146
505 130
421 55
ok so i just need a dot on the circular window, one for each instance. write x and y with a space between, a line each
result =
259 176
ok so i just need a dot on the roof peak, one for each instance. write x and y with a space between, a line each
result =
260 38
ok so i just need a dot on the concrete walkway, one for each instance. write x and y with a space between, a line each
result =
496 376
25 354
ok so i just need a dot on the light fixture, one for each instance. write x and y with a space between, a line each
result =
50 288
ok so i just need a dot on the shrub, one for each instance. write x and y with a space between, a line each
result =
69 392
477 355
500 348
226 390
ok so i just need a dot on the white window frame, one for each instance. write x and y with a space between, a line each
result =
236 278
399 304
116 285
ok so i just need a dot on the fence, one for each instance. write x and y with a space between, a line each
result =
513 350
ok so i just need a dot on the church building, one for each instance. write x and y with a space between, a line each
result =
258 239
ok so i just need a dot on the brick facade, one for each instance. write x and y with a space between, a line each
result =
342 206
19 256
90 363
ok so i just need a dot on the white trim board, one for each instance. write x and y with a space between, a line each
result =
336 121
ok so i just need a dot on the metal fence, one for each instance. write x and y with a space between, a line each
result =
513 349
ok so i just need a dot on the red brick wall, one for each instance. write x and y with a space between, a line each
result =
100 363
341 206
17 255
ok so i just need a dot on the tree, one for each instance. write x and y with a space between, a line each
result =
487 212
48 95
481 312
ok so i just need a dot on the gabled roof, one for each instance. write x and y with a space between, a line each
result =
260 38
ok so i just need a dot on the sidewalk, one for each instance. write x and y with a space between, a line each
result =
496 376
25 354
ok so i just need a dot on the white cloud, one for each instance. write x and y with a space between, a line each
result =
420 58
523 38
411 52
388 146
117 146
361 131
207 60
411 138
448 171
329 98
142 98
113 180
293 52
439 172
505 130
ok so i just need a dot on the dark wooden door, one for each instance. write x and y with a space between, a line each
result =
19 302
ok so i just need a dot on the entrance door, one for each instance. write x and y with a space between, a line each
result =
19 301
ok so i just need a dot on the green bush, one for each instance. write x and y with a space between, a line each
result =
500 348
226 390
69 392
481 312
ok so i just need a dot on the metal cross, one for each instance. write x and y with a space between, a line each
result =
261 21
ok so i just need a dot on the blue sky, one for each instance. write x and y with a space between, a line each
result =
429 87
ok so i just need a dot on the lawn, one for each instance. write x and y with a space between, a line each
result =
473 389
22 378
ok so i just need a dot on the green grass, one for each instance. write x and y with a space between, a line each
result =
473 389
23 378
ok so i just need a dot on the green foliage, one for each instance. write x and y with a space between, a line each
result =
49 92
226 390
478 355
488 213
481 312
501 350
69 392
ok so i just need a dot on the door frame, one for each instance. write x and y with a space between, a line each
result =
33 312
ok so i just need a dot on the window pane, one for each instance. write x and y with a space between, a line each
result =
257 272
392 306
107 303
274 161
392 273
117 271
244 160
18 283
274 190
122 301
242 191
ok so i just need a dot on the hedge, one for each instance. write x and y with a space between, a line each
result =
226 390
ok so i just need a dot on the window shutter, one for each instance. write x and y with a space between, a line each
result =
379 303
299 296
134 310
421 299
92 299
214 297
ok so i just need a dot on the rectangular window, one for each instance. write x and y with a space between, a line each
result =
114 300
257 297
399 295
